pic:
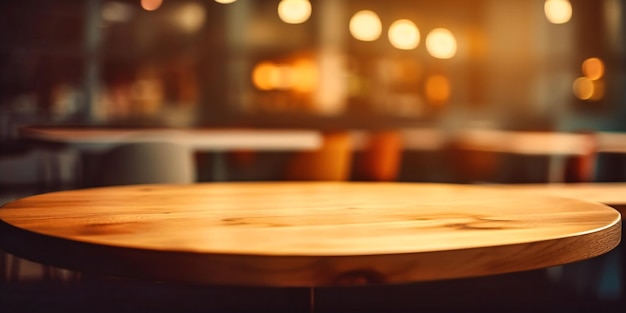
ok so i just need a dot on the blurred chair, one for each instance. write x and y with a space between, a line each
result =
381 157
331 162
146 163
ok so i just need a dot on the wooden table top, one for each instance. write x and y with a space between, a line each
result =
305 234
92 138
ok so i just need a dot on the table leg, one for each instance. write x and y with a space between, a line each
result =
556 169
311 299
3 267
78 171
301 299
218 167
16 265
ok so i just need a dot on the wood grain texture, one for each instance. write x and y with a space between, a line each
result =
305 234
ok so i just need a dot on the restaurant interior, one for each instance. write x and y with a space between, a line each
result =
451 91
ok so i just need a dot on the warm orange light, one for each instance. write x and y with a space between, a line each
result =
294 11
365 26
437 89
305 76
404 35
225 1
151 5
558 11
583 88
441 44
264 76
593 68
283 78
301 77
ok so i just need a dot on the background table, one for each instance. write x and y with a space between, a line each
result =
200 139
305 234
214 141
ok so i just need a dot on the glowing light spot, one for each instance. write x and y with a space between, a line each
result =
365 25
305 76
593 68
294 11
404 35
558 11
263 76
191 17
151 5
437 89
283 78
441 44
225 1
269 76
583 88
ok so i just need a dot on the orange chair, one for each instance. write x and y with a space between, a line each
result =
331 162
382 156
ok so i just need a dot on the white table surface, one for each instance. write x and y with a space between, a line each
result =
98 139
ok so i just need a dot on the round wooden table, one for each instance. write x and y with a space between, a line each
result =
305 234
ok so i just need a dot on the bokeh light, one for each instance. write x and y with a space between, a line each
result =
404 35
225 1
283 78
191 16
583 88
437 89
305 76
558 11
294 11
441 43
365 25
593 68
151 5
299 76
264 75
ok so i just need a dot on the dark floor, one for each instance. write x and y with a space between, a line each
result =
519 292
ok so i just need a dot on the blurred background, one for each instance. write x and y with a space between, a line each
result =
444 66
507 64
451 65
